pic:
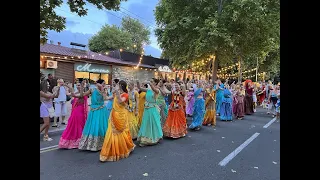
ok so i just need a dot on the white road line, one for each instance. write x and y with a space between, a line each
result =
233 154
270 122
50 148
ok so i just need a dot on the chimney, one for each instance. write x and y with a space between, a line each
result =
59 43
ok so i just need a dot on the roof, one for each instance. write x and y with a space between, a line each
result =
66 51
134 58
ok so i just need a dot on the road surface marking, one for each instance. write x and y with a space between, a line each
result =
50 148
269 123
233 154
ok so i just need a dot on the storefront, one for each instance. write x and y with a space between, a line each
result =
93 72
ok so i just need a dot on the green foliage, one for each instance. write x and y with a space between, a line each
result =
110 38
191 30
49 20
130 36
139 33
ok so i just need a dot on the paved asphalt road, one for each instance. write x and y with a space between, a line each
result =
195 157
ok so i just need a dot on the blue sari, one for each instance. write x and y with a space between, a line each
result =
219 96
150 130
96 125
226 106
198 111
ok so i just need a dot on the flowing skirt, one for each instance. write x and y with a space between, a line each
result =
163 112
95 129
248 105
210 116
133 125
226 110
198 113
189 109
176 124
71 136
150 130
219 97
117 144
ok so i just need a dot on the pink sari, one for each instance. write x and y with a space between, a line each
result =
72 134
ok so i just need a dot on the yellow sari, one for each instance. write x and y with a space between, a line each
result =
133 119
117 143
210 116
142 100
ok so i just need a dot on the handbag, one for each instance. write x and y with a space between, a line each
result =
68 98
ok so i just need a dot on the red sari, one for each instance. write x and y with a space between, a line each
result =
176 122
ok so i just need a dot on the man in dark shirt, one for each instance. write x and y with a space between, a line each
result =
52 82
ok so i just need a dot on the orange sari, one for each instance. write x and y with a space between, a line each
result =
210 116
175 125
118 143
142 100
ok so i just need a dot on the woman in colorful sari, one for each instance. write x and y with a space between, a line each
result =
97 121
238 104
150 131
248 101
210 103
226 105
219 87
133 110
190 102
110 96
142 100
71 136
175 125
199 110
161 101
118 142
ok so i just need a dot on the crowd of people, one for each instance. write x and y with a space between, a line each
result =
147 111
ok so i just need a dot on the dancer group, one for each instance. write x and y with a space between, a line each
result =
133 110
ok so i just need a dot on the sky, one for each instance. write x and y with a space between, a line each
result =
80 29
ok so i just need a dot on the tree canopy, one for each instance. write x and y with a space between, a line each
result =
49 20
130 36
191 31
110 38
139 33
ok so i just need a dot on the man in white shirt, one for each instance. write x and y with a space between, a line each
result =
60 103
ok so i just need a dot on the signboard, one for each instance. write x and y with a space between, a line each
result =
164 69
94 68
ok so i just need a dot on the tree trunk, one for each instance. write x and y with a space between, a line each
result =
214 68
239 69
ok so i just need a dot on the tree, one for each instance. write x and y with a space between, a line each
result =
139 33
110 38
130 36
49 20
190 31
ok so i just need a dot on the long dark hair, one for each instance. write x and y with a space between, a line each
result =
44 86
100 81
156 80
123 86
116 80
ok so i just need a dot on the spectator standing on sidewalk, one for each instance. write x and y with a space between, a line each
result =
60 103
52 82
